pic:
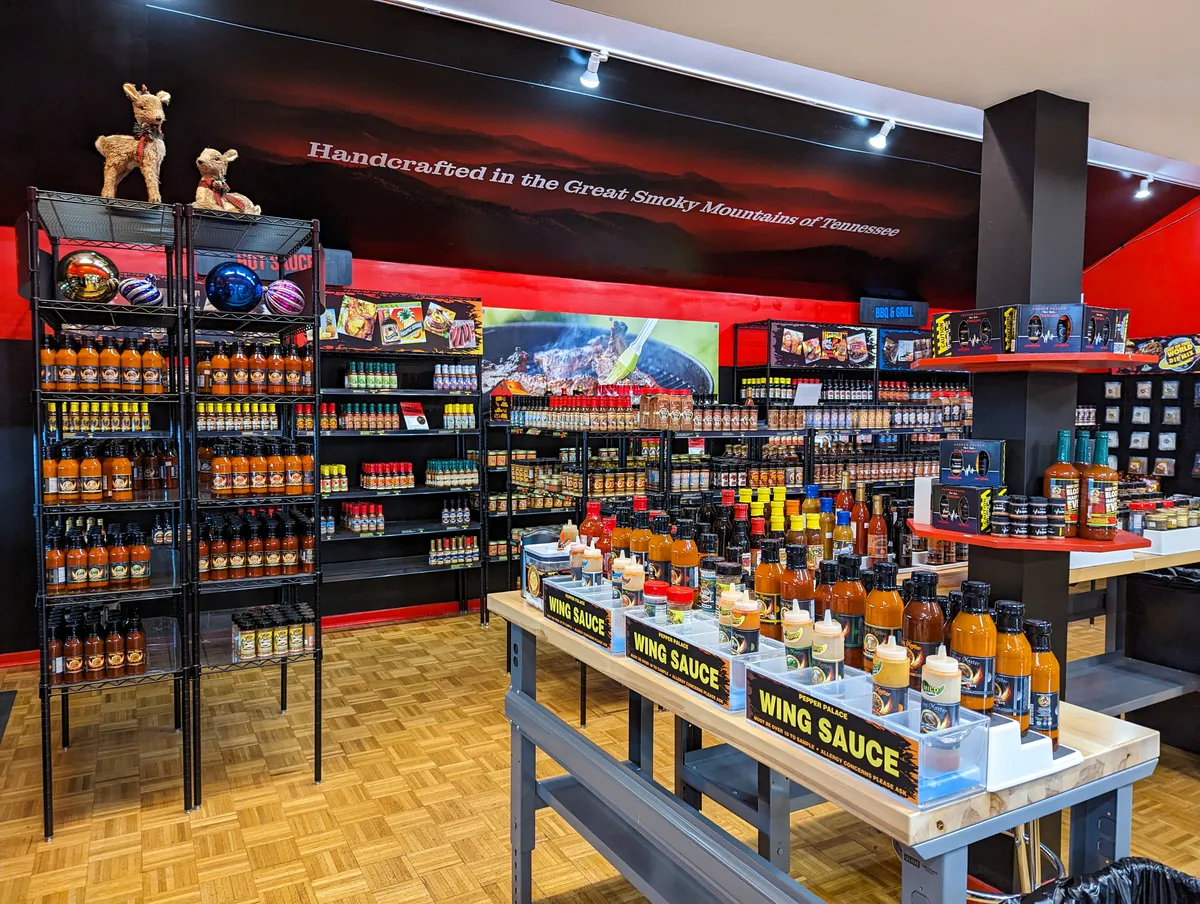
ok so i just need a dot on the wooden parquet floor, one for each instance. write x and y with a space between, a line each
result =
414 802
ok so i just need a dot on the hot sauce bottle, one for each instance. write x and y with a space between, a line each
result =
621 534
828 521
973 644
685 559
758 535
88 362
219 370
218 555
91 476
46 364
72 652
93 653
844 500
1014 663
131 368
239 371
202 553
827 576
139 560
658 552
292 370
110 366
54 657
889 670
848 602
56 566
118 561
135 645
589 527
290 550
97 563
1044 681
860 517
1098 501
814 542
66 366
639 540
843 534
237 554
877 533
306 371
114 650
77 564
293 471
239 469
884 613
276 368
308 469
308 550
1062 481
255 552
796 587
767 584
273 550
257 370
828 650
50 455
924 626
152 369
120 475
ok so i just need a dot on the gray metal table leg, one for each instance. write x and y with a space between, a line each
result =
522 656
641 734
687 738
775 801
1100 830
937 880
1114 614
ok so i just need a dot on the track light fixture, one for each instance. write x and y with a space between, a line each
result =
591 76
1143 191
879 142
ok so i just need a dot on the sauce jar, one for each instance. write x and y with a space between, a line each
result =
654 600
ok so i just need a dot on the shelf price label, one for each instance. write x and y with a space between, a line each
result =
883 757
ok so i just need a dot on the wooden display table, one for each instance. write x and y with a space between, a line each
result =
670 852
1142 561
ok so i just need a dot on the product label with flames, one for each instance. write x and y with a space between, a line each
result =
978 675
853 742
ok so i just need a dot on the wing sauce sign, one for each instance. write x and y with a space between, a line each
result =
684 663
881 756
584 618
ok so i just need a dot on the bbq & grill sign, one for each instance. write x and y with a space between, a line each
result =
886 312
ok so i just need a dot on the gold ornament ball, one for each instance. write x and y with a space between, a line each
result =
87 276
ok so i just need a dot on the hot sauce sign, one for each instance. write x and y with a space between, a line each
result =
865 748
685 663
584 618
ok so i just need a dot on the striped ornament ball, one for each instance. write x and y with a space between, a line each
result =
140 290
284 297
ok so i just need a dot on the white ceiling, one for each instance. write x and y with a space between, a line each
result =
1137 65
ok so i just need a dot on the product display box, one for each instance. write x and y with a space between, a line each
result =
836 721
972 462
967 510
1106 330
693 655
986 331
540 561
1050 327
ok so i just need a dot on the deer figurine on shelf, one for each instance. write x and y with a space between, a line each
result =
144 149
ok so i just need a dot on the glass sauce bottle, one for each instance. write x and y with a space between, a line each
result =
1014 663
152 369
924 627
110 366
658 550
66 366
685 559
1044 683
239 371
131 368
1098 501
219 370
848 602
796 583
1062 481
973 644
275 371
767 586
135 645
860 517
827 575
88 362
46 364
884 616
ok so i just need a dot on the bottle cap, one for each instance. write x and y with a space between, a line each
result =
656 588
729 598
729 569
867 578
1010 616
975 595
685 528
1038 632
843 519
733 553
745 496
680 595
797 557
849 567
741 512
812 491
745 604
891 651
756 509
885 575
942 665
826 506
829 571
660 524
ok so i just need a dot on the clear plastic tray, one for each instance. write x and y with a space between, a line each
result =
581 607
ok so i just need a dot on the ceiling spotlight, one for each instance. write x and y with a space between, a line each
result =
591 77
879 142
1143 191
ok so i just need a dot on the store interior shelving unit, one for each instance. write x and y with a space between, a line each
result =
1036 572
66 222
412 516
216 602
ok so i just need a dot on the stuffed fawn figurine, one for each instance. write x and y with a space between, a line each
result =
144 149
213 191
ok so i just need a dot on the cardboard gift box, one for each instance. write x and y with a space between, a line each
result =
1105 329
967 510
1050 327
972 462
986 331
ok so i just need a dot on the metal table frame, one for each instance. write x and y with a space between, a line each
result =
671 852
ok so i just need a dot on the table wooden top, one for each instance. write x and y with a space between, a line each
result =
1142 561
1108 745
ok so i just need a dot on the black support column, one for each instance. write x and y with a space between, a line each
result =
1032 197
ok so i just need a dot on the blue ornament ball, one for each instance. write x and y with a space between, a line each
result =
141 291
233 288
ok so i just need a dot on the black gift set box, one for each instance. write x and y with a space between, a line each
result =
967 510
972 462
986 331
1050 327
1105 329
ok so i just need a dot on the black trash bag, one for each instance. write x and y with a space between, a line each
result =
1133 880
